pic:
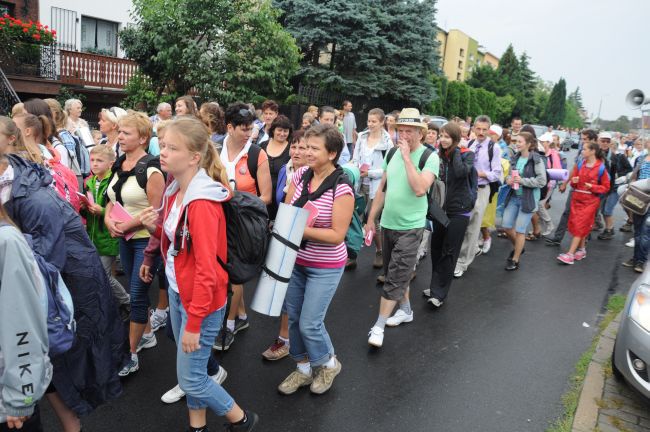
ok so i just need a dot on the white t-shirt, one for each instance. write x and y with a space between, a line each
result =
170 231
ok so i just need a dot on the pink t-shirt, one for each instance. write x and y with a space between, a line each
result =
320 255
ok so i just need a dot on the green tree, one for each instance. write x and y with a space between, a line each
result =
572 118
556 106
364 48
576 98
503 109
485 77
224 49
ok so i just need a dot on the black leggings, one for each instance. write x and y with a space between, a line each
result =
445 248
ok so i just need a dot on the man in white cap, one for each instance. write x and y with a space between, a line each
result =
409 170
618 166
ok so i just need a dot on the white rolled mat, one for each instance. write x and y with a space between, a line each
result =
289 224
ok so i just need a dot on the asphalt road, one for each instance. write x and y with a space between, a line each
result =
496 357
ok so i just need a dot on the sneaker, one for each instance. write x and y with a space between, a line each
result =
639 267
566 258
580 254
487 244
379 260
628 227
426 292
131 367
251 420
147 342
219 342
550 241
629 263
176 394
480 242
398 318
434 301
325 377
173 395
293 382
512 265
240 324
479 251
607 234
458 273
351 264
278 350
376 337
381 278
630 243
157 320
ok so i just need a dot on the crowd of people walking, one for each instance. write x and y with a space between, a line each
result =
153 195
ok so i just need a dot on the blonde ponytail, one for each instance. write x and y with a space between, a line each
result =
213 166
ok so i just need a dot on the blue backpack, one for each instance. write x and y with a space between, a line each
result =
601 171
61 326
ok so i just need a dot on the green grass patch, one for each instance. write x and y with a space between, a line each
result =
570 399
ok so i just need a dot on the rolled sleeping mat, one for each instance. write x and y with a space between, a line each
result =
286 237
558 174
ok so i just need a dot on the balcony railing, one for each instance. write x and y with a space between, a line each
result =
78 68
30 60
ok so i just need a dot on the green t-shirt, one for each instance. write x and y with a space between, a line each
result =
403 210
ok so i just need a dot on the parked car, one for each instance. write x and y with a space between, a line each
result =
631 357
575 140
540 130
565 140
438 120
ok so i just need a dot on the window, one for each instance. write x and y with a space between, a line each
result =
458 76
6 8
462 52
98 36
460 64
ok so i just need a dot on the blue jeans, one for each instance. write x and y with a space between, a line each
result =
309 294
641 238
514 216
132 256
191 368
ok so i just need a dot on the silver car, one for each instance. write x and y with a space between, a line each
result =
631 357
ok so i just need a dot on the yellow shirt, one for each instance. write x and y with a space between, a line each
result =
134 198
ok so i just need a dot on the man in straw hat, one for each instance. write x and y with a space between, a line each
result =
402 194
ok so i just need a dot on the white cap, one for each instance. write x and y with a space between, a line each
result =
496 129
605 135
546 137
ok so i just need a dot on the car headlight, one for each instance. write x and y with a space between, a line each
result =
640 306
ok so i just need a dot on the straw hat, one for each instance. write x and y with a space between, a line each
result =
411 117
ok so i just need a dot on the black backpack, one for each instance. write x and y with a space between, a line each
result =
436 194
494 186
247 227
139 171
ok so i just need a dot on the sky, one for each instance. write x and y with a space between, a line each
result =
599 45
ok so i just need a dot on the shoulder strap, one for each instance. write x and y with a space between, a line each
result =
391 153
141 168
490 151
334 179
253 158
424 157
601 171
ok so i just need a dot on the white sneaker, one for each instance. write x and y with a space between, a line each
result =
376 337
147 342
487 244
458 273
434 301
398 318
426 292
158 320
176 394
630 243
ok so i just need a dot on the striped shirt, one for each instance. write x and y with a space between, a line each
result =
320 255
644 172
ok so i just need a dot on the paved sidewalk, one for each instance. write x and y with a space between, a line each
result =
606 404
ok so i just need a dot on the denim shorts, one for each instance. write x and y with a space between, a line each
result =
609 202
514 216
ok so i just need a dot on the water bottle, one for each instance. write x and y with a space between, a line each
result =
515 185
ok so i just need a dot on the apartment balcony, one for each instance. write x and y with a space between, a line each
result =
94 70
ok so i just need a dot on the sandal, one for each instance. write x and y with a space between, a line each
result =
502 234
533 237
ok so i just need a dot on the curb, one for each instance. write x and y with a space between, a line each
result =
586 417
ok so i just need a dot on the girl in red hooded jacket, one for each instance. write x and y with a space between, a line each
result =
589 179
192 235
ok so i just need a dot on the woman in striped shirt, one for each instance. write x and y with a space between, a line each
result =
320 261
